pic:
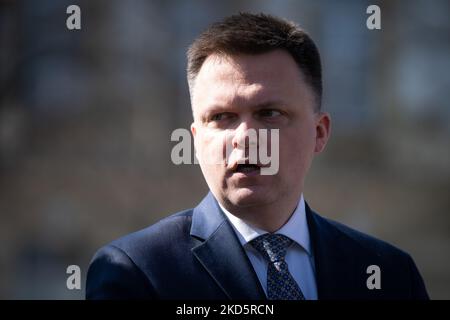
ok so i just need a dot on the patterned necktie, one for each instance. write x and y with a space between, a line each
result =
280 283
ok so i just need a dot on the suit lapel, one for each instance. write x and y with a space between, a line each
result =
335 267
224 258
221 253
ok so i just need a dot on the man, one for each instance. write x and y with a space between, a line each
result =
253 236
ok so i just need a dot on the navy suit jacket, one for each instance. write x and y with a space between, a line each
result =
195 254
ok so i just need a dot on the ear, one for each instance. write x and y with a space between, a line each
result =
323 130
194 133
193 129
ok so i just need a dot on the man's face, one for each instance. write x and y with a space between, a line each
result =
233 94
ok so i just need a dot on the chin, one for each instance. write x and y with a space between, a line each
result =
247 197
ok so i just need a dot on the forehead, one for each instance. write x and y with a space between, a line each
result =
228 79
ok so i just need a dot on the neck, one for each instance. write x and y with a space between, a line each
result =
268 217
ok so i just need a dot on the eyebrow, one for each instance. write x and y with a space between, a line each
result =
262 105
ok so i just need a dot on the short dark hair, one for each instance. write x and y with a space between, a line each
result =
254 34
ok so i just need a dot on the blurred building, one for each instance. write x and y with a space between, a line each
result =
86 118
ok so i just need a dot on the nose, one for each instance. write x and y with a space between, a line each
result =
245 135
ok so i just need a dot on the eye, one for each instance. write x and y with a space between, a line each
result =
269 113
220 116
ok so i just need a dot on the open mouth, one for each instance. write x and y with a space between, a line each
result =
248 168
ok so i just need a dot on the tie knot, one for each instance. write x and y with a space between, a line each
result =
272 246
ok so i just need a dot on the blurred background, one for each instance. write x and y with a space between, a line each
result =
86 117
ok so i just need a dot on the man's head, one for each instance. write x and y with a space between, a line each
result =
256 72
254 34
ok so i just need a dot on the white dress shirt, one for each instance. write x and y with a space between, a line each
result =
299 256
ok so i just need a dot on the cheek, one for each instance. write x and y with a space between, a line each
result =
210 146
297 148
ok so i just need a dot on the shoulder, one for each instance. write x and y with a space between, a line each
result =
169 229
363 242
344 242
120 268
159 239
400 273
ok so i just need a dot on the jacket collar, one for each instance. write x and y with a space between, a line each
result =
224 258
334 259
221 254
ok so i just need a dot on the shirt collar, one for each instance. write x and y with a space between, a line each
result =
296 228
